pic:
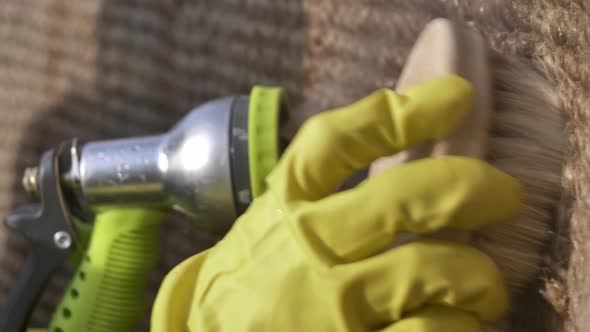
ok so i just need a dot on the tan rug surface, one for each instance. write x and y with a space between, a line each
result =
103 69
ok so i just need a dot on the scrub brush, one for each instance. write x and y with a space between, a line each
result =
515 125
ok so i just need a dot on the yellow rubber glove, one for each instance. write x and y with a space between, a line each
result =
303 258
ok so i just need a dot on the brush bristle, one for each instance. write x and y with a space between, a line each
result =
527 141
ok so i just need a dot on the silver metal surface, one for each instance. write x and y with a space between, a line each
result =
187 168
71 176
62 239
197 167
121 171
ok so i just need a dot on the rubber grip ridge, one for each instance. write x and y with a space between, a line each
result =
107 293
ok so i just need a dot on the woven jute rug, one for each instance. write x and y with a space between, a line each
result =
105 69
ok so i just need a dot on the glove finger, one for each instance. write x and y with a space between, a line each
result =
386 287
332 145
173 303
436 319
419 197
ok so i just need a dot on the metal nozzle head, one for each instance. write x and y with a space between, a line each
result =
209 166
31 181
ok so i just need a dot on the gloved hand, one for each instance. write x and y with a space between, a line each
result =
304 258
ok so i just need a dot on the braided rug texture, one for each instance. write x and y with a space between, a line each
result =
105 69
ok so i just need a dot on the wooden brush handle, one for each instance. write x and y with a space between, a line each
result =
444 48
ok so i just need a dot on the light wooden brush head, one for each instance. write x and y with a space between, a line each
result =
443 49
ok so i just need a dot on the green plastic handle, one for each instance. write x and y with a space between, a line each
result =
107 293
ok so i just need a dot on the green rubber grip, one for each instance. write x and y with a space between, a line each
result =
263 134
107 293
